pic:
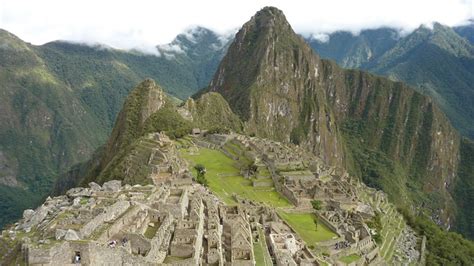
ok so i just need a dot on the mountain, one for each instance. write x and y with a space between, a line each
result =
147 109
353 51
436 61
271 84
59 101
384 132
466 31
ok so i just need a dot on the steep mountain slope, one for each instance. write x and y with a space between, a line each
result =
466 31
383 131
58 102
147 109
44 126
436 61
353 51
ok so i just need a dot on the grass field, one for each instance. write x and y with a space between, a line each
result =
224 179
349 259
303 224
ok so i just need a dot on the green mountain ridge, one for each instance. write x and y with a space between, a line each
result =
436 61
146 110
59 102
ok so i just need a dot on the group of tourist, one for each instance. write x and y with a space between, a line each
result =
341 245
113 243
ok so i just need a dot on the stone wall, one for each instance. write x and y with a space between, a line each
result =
121 223
154 255
327 223
110 214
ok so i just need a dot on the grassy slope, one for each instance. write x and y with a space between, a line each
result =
304 225
224 179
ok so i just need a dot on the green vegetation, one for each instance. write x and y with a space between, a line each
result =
444 248
212 111
376 224
308 227
224 179
171 259
260 249
350 258
169 121
62 99
200 174
317 204
463 191
151 231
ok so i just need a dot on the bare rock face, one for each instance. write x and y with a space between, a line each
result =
78 192
71 235
35 218
27 214
112 186
60 234
95 187
8 171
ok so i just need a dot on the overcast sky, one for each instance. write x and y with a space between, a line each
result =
140 23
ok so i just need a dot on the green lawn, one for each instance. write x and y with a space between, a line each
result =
349 259
262 257
303 224
224 179
151 231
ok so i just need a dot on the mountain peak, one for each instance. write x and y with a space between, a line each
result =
264 50
268 20
270 13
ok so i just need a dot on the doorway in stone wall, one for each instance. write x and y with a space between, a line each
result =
77 257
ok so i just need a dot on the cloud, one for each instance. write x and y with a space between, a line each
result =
142 24
322 37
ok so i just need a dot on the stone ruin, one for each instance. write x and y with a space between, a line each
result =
178 222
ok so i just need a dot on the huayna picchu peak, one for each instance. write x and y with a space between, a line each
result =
282 90
285 158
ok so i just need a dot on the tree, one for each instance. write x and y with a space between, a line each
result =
317 204
201 174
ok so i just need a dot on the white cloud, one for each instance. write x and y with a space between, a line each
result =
142 24
322 37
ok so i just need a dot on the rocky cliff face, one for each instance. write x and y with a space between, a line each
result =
282 90
271 79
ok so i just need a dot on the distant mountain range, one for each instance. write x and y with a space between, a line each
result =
437 61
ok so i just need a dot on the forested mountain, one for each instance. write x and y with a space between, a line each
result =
437 61
58 102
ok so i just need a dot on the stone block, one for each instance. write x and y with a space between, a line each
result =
60 233
71 235
27 214
112 186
